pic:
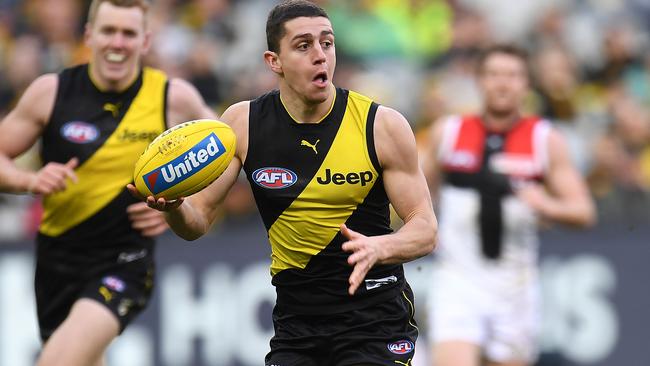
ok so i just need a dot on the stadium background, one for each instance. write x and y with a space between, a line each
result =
591 73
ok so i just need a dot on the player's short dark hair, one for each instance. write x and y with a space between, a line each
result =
284 12
504 49
94 5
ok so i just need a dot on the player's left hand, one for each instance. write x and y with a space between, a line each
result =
365 253
148 221
534 195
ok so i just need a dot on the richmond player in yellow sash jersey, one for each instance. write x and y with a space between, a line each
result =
324 163
94 267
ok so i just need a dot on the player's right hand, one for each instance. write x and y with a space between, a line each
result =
52 178
159 204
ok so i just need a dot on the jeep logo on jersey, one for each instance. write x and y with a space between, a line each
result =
274 178
401 347
133 136
193 160
362 178
79 132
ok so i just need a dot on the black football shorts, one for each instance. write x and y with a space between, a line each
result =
381 334
123 287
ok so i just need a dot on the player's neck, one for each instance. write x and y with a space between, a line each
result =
108 86
301 110
500 122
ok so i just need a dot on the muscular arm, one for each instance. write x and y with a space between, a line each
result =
406 188
184 103
195 215
567 200
408 193
20 130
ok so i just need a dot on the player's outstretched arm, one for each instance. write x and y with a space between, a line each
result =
20 130
192 217
408 193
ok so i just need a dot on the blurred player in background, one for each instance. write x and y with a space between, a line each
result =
497 174
94 270
324 163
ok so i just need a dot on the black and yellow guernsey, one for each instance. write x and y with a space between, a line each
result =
107 132
307 180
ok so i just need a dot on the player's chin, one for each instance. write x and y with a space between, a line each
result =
319 95
502 107
115 73
112 76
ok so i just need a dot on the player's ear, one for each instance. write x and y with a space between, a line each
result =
87 31
271 58
147 42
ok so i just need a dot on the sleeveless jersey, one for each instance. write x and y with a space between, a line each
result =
307 180
107 132
473 158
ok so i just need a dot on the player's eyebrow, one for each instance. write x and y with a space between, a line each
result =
310 36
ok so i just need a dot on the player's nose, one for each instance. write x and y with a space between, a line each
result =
319 54
117 40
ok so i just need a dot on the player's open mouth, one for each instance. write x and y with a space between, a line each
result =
115 57
320 79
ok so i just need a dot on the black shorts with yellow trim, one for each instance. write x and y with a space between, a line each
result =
380 334
124 288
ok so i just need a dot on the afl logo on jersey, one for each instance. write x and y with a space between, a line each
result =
401 347
274 178
79 132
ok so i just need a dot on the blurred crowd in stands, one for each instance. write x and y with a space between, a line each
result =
590 71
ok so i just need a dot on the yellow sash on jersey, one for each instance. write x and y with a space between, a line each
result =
310 223
103 176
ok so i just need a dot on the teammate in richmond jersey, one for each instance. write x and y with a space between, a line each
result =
499 172
94 266
324 163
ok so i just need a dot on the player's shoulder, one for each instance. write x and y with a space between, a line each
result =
392 131
555 138
37 102
44 84
41 92
390 120
237 113
540 124
183 98
181 88
236 116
